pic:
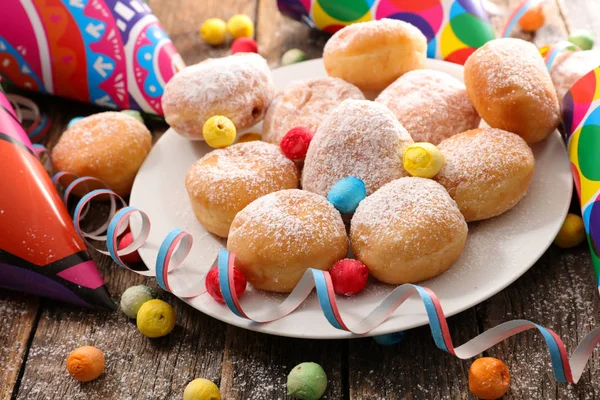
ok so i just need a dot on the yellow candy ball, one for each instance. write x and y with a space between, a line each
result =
156 318
249 137
214 31
571 233
201 389
423 160
240 25
219 132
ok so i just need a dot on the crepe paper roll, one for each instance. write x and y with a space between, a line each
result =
111 53
581 122
46 259
454 28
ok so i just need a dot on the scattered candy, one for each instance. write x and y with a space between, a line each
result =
390 339
135 114
489 378
74 121
249 137
293 56
240 26
131 258
295 143
201 389
347 193
133 298
244 45
85 363
349 276
423 160
572 232
156 318
214 289
582 39
219 131
533 19
307 381
213 31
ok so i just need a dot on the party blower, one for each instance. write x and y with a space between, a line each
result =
40 252
581 118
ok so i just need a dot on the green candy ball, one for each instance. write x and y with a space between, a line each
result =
135 114
133 298
307 381
582 39
293 56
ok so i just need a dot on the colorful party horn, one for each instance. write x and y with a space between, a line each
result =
40 252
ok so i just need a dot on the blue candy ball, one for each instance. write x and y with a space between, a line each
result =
390 338
73 121
347 193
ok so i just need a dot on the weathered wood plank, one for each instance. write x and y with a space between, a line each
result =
581 14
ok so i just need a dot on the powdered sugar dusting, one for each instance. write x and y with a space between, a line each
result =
569 67
239 87
305 103
248 170
431 105
359 138
403 207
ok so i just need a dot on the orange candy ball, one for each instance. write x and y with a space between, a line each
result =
489 378
533 19
85 363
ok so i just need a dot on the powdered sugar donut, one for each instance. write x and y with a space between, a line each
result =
487 171
225 181
277 237
510 87
305 103
373 54
358 138
431 105
110 146
569 67
408 231
239 87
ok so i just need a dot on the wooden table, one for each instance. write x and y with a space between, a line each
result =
36 334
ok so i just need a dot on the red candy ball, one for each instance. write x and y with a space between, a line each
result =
213 288
132 258
295 143
349 276
244 45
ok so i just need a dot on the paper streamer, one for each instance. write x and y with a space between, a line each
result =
517 14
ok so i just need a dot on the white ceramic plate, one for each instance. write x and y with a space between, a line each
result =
498 251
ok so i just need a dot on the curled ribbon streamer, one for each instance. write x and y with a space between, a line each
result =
27 110
555 50
517 14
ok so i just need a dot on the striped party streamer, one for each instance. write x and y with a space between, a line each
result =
517 14
554 50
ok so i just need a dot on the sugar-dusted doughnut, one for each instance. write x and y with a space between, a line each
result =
110 146
487 171
511 88
305 104
239 87
568 67
358 138
373 54
224 181
277 237
431 105
408 231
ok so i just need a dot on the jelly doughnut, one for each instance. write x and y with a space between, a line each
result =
110 146
277 237
305 104
373 54
225 181
487 171
358 138
569 67
431 105
511 89
408 231
239 87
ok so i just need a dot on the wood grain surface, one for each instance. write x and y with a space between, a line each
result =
38 334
